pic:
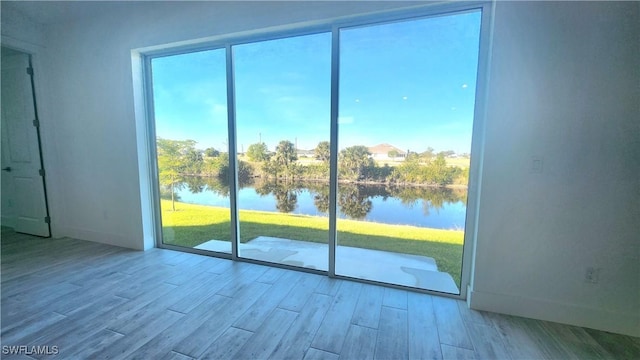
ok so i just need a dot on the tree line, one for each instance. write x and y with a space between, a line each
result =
355 164
178 159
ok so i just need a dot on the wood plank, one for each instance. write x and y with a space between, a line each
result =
299 337
176 356
184 259
126 323
256 315
455 353
227 344
200 267
334 327
62 332
135 312
360 343
395 298
266 338
152 259
83 267
424 341
14 307
75 316
367 311
242 274
573 344
20 335
166 340
220 319
450 325
18 356
223 266
271 275
471 315
328 286
301 292
546 341
72 257
315 354
393 339
142 283
487 341
85 295
84 349
217 283
121 348
620 346
517 341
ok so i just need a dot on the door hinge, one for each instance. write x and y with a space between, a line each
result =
30 70
47 220
36 123
41 172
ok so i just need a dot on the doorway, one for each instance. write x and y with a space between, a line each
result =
24 201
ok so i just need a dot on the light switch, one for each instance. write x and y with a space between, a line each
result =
536 165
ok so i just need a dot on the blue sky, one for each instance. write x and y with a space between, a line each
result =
410 84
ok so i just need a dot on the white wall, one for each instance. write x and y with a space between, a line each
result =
20 33
89 69
564 87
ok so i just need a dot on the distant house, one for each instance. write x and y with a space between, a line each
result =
305 153
382 152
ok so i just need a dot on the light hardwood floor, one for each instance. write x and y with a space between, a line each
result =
98 302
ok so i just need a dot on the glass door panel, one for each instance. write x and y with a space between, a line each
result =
282 96
190 97
407 92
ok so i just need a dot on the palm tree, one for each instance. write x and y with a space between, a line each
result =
353 160
285 155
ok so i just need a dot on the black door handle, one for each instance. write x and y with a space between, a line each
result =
7 169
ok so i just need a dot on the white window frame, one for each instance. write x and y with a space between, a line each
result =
145 124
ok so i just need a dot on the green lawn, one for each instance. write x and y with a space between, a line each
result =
191 225
459 162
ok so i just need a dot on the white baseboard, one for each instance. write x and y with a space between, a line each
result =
8 221
104 238
621 323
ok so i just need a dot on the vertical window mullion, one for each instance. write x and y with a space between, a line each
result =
233 156
333 158
151 142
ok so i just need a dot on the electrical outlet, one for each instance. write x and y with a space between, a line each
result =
592 275
536 164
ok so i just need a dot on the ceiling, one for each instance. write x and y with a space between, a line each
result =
55 12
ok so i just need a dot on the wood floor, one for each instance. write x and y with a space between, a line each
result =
91 301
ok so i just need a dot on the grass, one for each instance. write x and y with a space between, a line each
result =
459 162
191 225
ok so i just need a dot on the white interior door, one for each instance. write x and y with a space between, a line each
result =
23 196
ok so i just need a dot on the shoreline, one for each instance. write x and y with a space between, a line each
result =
353 182
374 223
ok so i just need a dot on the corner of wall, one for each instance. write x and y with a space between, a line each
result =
143 143
16 26
572 314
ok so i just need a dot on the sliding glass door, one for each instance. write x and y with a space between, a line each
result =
190 108
407 92
346 151
282 93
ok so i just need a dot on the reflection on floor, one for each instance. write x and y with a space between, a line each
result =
389 267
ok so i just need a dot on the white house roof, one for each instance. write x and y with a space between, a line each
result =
383 149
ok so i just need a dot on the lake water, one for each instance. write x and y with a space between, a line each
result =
424 207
